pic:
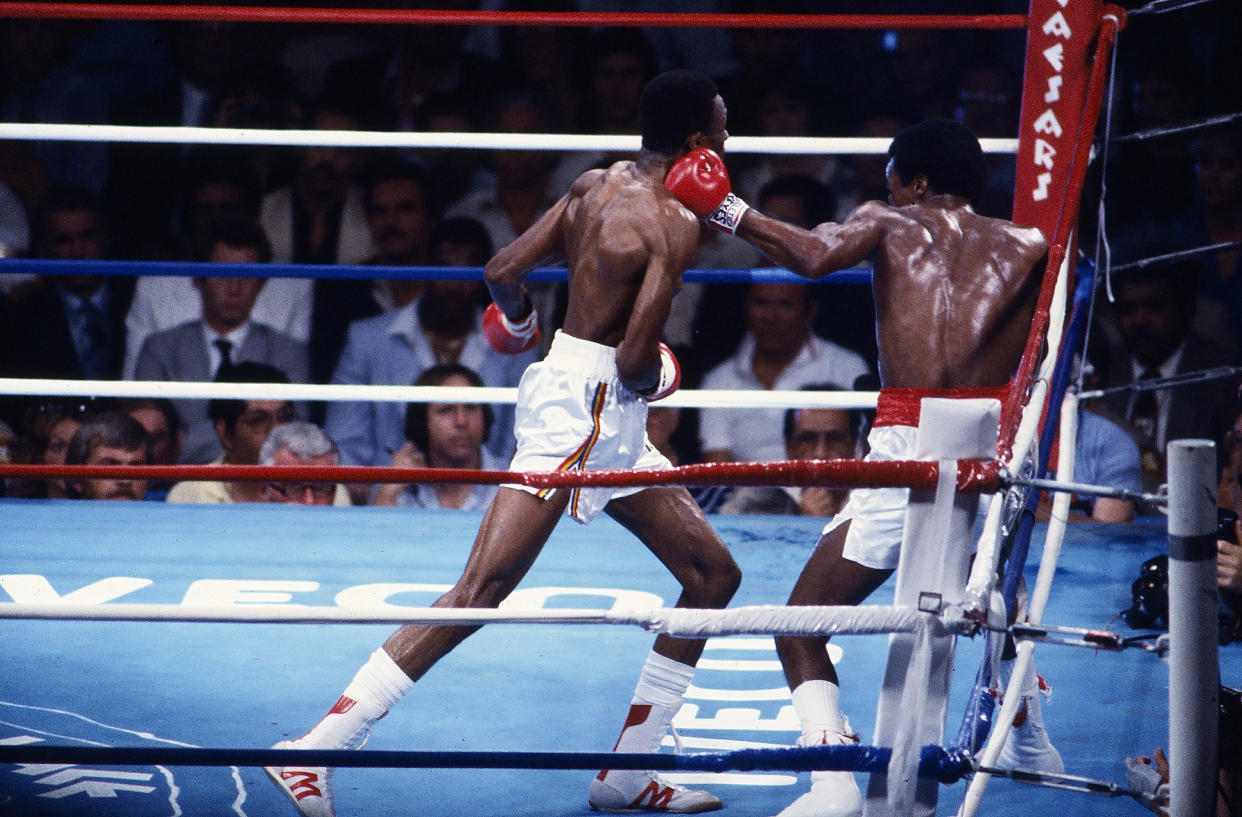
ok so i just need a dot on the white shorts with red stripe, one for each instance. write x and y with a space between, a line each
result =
573 413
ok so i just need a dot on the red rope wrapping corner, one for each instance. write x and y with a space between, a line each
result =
272 14
1112 20
973 476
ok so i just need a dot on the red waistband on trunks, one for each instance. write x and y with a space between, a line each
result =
900 406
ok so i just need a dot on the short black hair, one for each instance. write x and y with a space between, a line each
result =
675 105
944 151
244 371
161 404
64 199
416 413
240 232
462 230
854 417
387 167
1179 277
817 200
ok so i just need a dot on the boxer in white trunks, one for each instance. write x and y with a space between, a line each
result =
954 294
627 242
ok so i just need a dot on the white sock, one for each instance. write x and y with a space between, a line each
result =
663 681
381 681
377 686
818 707
657 697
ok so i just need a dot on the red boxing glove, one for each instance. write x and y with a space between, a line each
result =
507 337
700 182
669 379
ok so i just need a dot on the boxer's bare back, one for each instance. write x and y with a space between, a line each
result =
954 291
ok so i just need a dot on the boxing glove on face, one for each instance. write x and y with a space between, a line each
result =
669 379
700 181
507 337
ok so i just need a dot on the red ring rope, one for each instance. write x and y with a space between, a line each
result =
972 475
267 14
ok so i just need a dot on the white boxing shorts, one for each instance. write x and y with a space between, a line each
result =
877 516
573 413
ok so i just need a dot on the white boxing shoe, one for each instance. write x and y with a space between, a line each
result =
309 788
625 791
1028 746
832 794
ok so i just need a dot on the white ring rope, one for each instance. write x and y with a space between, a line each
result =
681 622
686 398
41 131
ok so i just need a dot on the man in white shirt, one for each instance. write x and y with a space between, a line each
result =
778 352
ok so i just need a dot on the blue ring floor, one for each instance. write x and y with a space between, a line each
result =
507 688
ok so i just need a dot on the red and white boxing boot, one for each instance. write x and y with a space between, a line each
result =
346 726
625 791
832 794
309 788
629 791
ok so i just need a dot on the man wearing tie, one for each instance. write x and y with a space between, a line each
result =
1154 313
197 350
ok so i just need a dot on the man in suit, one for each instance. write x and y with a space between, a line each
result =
319 217
441 326
69 326
1154 316
66 326
196 350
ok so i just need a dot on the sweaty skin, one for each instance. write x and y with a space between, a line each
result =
954 291
954 294
627 240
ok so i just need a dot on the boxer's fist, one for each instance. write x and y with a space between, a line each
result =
669 379
507 337
700 181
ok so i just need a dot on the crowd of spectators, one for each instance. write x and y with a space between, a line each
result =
328 205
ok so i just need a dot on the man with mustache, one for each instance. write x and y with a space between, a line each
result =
400 208
319 218
109 438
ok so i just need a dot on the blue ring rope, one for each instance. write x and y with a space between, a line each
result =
47 266
933 760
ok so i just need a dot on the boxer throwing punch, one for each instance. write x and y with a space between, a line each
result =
627 241
954 295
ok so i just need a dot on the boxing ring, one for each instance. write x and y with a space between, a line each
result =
257 681
168 685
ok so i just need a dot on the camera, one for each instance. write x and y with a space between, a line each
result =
1226 525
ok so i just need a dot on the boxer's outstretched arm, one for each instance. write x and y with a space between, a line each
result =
816 253
542 243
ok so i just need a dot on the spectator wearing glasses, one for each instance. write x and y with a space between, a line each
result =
301 443
241 426
810 434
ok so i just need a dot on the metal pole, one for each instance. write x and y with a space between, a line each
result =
1194 668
